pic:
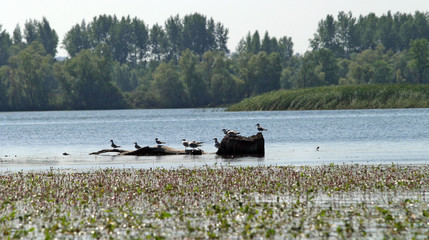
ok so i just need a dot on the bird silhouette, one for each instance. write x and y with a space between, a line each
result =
136 145
159 142
260 128
217 144
114 145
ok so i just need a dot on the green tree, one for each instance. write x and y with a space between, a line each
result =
307 75
77 39
196 35
168 88
17 35
419 54
5 44
285 49
326 36
328 66
121 39
346 33
255 44
264 72
43 33
157 42
266 44
86 81
4 76
30 70
174 35
222 87
192 80
48 37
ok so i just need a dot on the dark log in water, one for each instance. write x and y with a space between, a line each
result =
242 146
119 151
158 150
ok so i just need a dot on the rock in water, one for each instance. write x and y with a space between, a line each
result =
239 146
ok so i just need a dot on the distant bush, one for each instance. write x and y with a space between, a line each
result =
339 97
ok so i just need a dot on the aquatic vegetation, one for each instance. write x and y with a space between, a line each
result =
328 201
368 96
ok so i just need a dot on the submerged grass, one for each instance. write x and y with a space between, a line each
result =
339 97
329 201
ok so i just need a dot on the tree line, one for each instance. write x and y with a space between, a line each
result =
124 63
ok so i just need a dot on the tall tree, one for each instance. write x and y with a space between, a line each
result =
168 87
5 44
77 39
328 66
419 53
30 70
266 44
193 82
174 35
17 35
48 37
326 36
195 34
86 81
157 42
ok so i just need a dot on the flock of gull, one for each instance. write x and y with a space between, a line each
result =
194 144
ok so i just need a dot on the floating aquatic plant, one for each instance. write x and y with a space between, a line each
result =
328 201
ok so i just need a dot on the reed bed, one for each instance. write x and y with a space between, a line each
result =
339 97
220 201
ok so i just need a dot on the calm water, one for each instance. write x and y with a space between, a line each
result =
36 140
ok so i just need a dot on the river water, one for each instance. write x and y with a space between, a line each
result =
37 140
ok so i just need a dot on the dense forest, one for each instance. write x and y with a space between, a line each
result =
124 63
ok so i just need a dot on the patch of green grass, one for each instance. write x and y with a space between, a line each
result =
339 97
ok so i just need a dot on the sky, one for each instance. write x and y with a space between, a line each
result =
297 19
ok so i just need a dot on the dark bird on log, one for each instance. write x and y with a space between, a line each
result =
136 145
230 133
217 144
114 145
158 141
260 128
193 144
185 143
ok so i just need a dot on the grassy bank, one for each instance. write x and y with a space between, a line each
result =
329 201
339 97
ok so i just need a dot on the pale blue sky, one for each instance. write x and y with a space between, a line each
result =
293 18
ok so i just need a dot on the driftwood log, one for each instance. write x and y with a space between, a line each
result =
242 146
158 150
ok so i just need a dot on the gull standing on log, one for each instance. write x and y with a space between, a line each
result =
158 141
217 144
185 143
114 145
193 144
230 133
260 128
136 145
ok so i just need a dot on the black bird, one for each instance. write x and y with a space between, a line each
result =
136 145
317 149
217 144
158 141
114 145
260 128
